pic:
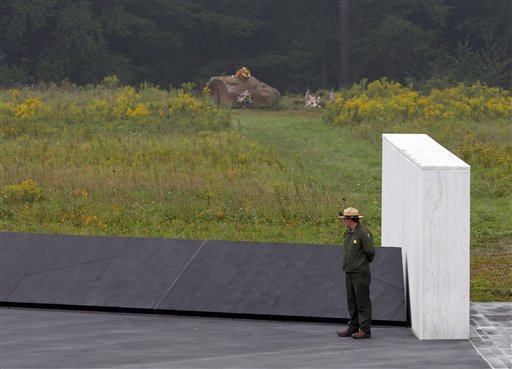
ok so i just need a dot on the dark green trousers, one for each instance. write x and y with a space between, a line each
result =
359 303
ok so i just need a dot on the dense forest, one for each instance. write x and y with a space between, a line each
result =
288 44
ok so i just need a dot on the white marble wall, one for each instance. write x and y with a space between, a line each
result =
425 211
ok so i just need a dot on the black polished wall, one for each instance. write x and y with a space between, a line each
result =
193 276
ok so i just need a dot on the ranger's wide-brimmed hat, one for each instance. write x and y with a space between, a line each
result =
350 213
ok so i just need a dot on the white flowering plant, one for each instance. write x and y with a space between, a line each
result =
244 99
312 101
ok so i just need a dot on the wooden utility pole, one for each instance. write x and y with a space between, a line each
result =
344 42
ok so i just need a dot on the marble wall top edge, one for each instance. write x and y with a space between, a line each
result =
424 152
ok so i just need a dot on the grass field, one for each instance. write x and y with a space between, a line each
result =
270 176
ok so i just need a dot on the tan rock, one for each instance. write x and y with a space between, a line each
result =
225 91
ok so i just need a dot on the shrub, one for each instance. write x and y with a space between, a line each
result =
82 105
25 192
111 81
383 101
188 111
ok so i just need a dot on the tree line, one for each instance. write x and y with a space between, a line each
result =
288 44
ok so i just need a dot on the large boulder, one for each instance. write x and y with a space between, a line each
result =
226 90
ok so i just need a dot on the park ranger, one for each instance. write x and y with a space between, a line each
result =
358 254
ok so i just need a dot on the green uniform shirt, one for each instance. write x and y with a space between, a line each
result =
359 250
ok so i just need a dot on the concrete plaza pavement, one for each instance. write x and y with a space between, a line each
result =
32 338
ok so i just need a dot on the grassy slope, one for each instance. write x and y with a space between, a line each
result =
118 181
321 155
331 157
